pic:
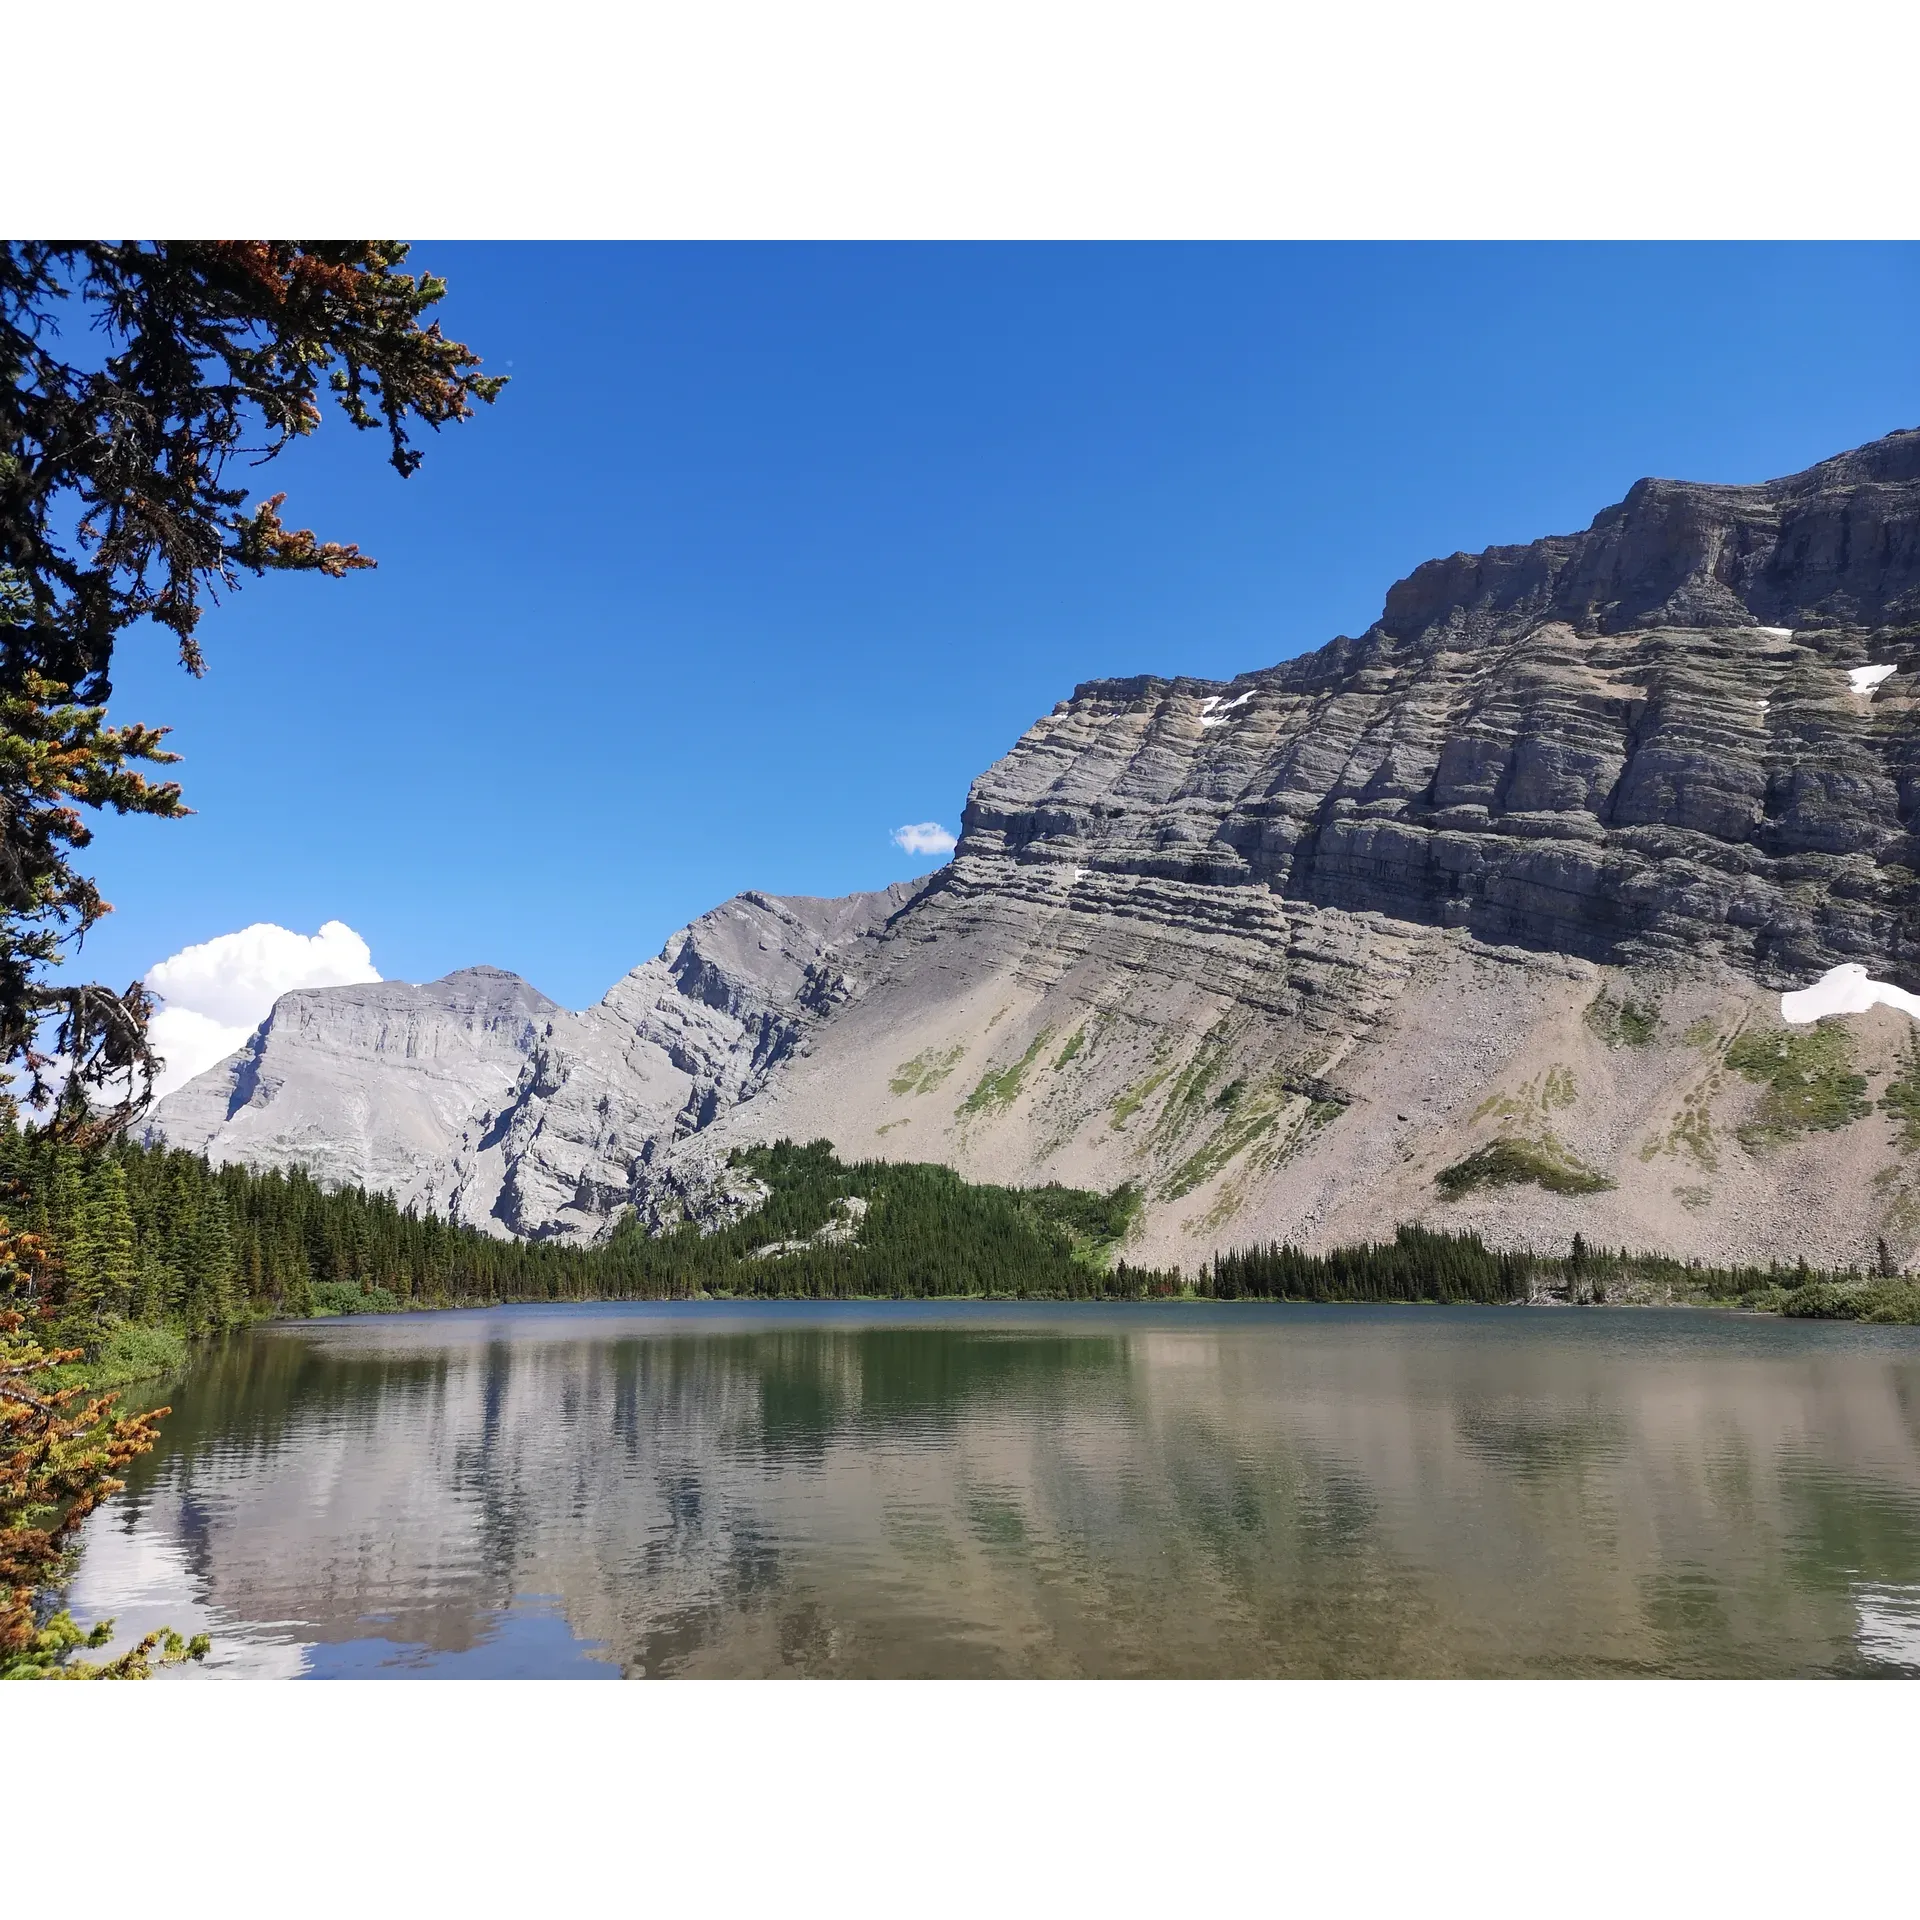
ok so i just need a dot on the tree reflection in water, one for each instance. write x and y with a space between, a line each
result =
974 1489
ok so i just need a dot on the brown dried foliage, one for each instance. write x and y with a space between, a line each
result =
61 1452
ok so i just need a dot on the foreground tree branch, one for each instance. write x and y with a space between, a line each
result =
132 374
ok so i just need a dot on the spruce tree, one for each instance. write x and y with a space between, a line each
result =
107 1227
210 1275
156 1288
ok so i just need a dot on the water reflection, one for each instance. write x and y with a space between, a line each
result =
940 1490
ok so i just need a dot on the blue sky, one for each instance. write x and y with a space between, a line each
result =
767 551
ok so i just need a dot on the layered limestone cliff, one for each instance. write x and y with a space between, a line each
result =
1632 742
367 1085
1527 862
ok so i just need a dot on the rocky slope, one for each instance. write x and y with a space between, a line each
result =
1529 860
478 1098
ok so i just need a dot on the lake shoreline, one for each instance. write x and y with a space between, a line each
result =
110 1377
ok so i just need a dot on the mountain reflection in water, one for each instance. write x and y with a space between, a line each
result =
1032 1490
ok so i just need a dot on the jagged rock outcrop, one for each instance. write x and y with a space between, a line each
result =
1526 859
478 1098
681 1040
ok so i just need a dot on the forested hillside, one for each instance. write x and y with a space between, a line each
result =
154 1237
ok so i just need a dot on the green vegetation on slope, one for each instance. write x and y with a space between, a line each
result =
1127 1104
1810 1083
1624 1022
1003 1088
1508 1163
925 1071
1902 1098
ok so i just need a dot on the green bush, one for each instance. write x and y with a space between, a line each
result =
1510 1163
1823 1300
332 1297
1887 1303
1623 1022
1891 1303
124 1353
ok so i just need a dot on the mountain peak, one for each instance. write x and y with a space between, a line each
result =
1836 544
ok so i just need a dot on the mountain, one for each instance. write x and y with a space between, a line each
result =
1480 918
478 1098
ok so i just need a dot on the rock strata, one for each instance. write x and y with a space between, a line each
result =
1637 741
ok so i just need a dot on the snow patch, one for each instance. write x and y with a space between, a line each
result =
1220 719
1845 989
1776 633
1865 679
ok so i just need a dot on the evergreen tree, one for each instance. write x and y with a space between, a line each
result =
60 1450
210 1296
115 509
104 1237
156 1287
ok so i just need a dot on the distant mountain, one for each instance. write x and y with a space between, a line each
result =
1527 862
478 1098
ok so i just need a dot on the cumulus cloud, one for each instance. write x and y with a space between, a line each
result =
216 993
927 836
188 1043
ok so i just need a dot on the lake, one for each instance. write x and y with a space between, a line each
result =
1029 1490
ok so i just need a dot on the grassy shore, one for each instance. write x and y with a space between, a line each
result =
123 1355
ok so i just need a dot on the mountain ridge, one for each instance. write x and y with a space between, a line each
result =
1196 932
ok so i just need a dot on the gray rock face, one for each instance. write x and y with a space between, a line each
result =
1282 949
1638 740
364 1085
679 1041
478 1098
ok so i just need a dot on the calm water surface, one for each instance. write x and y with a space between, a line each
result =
977 1490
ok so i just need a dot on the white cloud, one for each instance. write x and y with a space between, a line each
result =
216 993
927 836
188 1043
